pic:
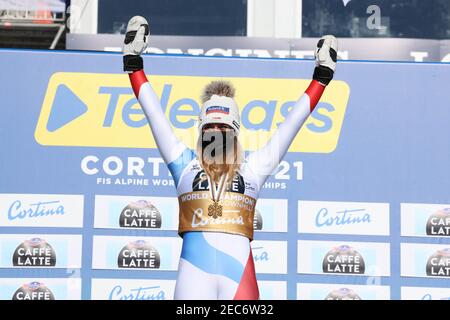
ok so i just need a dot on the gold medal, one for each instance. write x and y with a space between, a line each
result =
215 209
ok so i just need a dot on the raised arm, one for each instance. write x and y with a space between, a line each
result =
173 151
265 160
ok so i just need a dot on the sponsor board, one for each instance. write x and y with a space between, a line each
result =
357 218
136 253
132 289
272 290
319 291
41 210
343 258
425 260
424 293
40 289
271 215
270 256
425 220
126 212
40 251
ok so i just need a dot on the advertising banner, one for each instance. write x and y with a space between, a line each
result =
359 208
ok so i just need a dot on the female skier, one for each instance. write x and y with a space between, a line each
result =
217 189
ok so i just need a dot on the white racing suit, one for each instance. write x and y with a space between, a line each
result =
216 260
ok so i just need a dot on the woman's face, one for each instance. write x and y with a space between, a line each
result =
218 142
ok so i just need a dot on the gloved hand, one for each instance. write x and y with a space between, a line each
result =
136 41
326 57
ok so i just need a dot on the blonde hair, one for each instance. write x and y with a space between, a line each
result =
216 170
212 169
